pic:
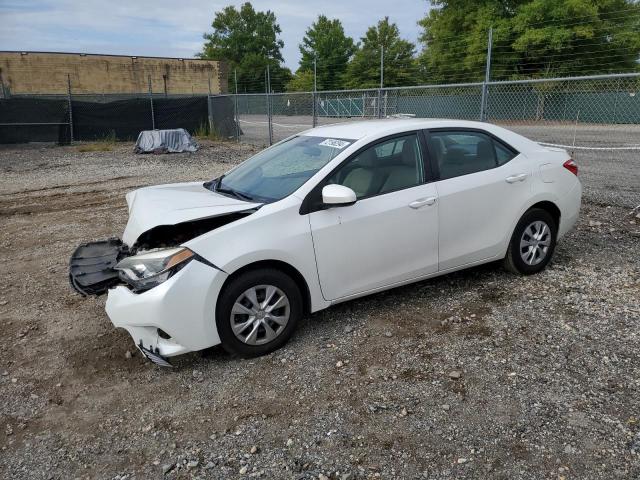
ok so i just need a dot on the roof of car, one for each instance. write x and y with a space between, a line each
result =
356 130
364 128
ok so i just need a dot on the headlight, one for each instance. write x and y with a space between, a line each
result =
150 269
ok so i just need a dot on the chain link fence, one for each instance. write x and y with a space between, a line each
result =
596 100
291 112
596 118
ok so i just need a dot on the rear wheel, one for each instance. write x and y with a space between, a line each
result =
532 243
257 312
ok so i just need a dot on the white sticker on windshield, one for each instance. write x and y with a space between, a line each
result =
333 143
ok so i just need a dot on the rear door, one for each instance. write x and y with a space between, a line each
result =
482 185
391 233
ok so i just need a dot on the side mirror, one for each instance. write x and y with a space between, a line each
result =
338 196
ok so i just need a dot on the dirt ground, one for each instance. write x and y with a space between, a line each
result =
478 374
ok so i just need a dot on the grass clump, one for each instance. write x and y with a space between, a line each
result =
205 132
104 144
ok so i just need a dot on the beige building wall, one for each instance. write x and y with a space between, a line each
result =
46 73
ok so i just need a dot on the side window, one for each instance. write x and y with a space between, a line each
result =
387 166
503 154
460 153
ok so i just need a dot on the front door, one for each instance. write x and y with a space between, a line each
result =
390 234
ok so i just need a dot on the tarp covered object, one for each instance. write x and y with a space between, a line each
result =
165 141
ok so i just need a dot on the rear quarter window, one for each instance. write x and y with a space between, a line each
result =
503 153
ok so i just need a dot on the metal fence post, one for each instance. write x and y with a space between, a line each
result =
210 112
269 119
487 76
482 101
381 81
4 92
70 109
615 107
314 121
381 66
314 113
236 113
386 104
153 116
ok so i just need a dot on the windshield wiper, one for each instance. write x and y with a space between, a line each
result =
229 191
215 185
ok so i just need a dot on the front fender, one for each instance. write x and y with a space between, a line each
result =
275 232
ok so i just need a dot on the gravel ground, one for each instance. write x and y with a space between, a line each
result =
478 374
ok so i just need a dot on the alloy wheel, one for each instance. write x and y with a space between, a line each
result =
535 242
260 314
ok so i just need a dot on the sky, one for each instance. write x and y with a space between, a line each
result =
174 28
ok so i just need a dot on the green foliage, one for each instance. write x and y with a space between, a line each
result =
455 38
399 65
399 68
248 41
302 81
326 41
579 37
531 38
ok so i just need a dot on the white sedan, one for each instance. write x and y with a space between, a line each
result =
331 214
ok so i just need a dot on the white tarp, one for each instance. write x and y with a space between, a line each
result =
165 141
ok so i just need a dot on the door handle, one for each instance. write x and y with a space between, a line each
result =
421 202
516 178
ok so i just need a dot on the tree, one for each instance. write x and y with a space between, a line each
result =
302 81
325 40
455 38
399 66
531 38
578 37
248 41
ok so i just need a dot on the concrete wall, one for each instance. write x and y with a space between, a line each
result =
46 73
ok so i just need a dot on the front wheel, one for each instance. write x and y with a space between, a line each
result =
257 312
532 243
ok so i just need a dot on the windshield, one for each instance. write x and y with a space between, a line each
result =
280 170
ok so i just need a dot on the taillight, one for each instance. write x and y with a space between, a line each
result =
571 166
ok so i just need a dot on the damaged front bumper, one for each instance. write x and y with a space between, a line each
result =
176 317
172 318
91 266
154 357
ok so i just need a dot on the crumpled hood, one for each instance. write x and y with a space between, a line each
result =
175 203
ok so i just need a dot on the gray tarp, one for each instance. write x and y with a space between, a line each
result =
165 141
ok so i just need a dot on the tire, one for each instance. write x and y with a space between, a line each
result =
527 254
247 322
